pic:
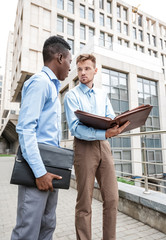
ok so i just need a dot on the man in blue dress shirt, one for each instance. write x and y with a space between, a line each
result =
92 151
40 122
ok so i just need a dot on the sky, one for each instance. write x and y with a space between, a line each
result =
156 8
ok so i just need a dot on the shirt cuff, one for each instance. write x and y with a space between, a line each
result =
38 170
100 135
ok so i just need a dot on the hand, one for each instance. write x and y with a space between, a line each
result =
44 183
112 132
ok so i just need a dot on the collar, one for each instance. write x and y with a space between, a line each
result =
86 89
51 76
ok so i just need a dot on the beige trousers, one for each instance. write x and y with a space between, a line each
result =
94 159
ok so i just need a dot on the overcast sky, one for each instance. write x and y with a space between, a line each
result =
156 8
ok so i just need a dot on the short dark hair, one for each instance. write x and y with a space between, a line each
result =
54 45
84 57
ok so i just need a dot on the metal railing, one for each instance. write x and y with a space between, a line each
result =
146 180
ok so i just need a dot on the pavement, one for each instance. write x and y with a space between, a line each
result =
127 227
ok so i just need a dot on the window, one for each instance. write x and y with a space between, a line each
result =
134 33
108 7
63 116
148 38
101 4
70 27
141 49
118 12
60 4
109 41
154 40
125 28
119 41
82 45
162 57
135 46
102 39
140 35
91 32
109 22
115 85
60 24
161 43
70 6
118 26
82 32
124 14
82 11
71 43
126 43
101 19
139 20
91 15
148 94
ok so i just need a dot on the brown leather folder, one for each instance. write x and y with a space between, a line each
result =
136 116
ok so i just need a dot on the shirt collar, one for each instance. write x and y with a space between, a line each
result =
86 89
52 76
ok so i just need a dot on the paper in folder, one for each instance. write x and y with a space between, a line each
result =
136 116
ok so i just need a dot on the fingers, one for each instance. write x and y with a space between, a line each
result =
123 126
54 176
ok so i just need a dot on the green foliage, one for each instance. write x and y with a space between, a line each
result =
120 179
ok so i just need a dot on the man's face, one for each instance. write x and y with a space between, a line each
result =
86 71
65 67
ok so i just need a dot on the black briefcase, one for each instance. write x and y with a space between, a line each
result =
56 160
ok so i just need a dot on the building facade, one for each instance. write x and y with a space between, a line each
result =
130 48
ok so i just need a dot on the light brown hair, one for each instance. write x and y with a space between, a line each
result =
84 57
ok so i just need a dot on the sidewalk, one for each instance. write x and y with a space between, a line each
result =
127 227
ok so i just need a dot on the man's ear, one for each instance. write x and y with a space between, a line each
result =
96 69
60 58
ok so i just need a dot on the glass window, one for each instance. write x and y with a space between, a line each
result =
63 116
101 19
91 32
70 6
120 41
82 32
82 11
118 12
60 24
134 33
154 40
108 7
161 43
126 43
140 35
125 27
70 27
101 4
139 20
60 4
102 39
82 45
125 14
71 43
118 26
109 22
91 15
109 42
148 38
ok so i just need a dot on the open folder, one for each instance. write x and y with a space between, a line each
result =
136 116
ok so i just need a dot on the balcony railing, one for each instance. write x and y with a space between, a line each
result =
146 180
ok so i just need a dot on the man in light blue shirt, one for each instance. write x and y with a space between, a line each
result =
92 154
40 122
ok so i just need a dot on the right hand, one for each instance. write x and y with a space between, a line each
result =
112 132
44 183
